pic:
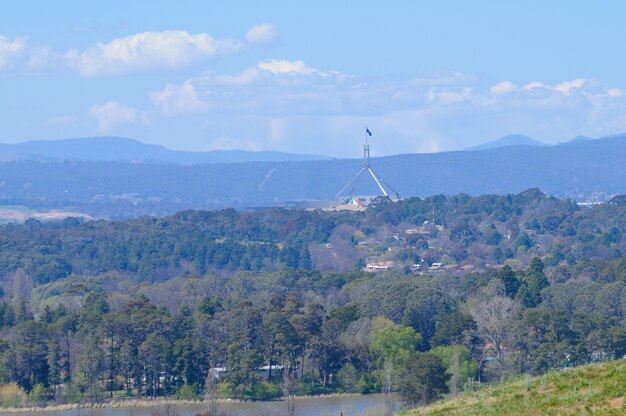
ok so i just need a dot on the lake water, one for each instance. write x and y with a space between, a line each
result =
367 405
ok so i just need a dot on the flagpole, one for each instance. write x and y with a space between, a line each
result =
368 169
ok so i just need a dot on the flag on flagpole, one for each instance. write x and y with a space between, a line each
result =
369 133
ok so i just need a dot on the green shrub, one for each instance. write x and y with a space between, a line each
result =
348 378
226 390
366 384
39 395
266 391
187 392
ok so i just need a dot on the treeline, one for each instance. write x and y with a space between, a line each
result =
156 248
460 229
314 333
259 305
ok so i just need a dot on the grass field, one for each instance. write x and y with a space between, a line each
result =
592 389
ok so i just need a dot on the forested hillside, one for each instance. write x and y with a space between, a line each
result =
280 302
120 149
579 170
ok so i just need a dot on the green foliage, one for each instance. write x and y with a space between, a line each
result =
349 379
366 384
511 283
39 394
454 328
422 379
458 363
187 392
393 342
534 281
544 340
198 242
153 305
226 389
209 306
311 386
266 391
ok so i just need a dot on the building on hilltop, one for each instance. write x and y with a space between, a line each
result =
346 193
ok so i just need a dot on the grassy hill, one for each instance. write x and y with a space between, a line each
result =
591 389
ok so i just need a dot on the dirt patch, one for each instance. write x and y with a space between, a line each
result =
617 403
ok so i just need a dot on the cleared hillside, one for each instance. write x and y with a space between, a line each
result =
591 389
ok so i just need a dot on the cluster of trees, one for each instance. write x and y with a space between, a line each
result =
315 332
231 302
479 231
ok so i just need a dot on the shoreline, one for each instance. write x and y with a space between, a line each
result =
142 403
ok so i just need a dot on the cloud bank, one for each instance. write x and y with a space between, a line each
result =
302 108
148 51
268 102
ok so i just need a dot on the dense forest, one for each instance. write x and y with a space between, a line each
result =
257 305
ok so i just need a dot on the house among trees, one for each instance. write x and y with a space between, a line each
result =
379 266
264 371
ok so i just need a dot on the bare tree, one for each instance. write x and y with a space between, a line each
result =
493 318
387 370
454 377
289 390
212 392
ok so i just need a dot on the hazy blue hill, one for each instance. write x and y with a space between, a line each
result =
580 138
571 170
119 149
510 140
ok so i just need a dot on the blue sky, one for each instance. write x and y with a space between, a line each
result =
307 77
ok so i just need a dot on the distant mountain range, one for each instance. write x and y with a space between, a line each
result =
577 169
119 149
511 140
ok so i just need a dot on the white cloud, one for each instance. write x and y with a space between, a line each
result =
504 87
567 86
285 105
534 85
262 34
112 114
10 51
179 99
615 92
284 66
148 51
20 54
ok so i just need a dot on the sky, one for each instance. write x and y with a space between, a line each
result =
307 77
